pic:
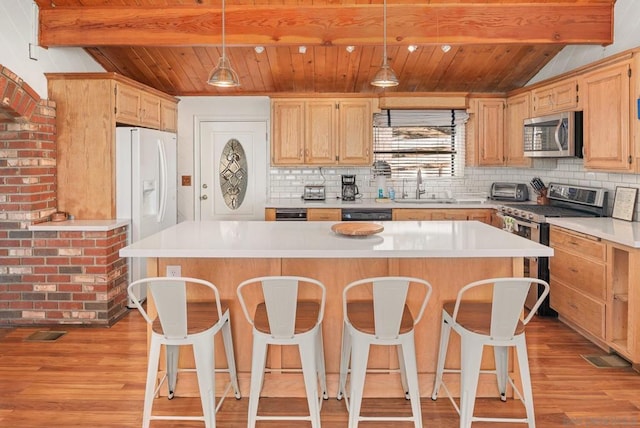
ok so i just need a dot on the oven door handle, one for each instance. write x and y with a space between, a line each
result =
520 222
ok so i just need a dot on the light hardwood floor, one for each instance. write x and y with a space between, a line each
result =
94 377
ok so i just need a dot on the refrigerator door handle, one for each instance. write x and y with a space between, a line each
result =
163 181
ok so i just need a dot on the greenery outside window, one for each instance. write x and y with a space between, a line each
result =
432 140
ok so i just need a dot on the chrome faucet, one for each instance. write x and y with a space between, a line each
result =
404 194
418 184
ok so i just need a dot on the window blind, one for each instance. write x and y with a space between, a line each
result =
432 140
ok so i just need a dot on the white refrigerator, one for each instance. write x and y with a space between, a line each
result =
146 187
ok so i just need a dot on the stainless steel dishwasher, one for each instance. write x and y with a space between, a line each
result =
291 214
361 214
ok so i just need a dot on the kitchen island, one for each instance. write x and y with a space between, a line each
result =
449 254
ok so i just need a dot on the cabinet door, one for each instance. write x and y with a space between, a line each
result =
560 96
448 214
400 214
150 111
168 116
324 214
320 132
490 131
480 215
355 132
287 132
606 118
518 109
127 105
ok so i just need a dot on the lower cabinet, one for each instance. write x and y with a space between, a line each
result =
483 215
324 214
592 290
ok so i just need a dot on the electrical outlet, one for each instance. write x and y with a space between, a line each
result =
174 271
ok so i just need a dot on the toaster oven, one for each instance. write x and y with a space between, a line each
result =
516 192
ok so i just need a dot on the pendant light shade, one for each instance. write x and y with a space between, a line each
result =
223 75
385 77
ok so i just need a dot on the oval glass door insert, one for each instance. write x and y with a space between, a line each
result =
233 174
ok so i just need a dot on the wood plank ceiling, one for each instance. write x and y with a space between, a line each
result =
172 45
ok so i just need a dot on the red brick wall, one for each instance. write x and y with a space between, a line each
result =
47 277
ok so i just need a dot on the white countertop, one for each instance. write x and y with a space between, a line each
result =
611 229
80 225
260 239
371 203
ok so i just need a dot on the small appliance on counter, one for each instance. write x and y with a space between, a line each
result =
515 192
313 193
349 188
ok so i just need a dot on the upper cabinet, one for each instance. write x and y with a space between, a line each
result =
607 111
486 128
518 109
556 97
322 131
89 106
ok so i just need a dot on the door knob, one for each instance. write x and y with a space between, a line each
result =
203 197
204 186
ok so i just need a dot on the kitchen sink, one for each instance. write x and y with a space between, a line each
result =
426 201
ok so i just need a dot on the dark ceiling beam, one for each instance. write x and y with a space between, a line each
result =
282 25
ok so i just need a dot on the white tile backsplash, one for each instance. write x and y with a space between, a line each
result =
289 182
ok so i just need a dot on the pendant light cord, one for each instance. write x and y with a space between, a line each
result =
223 32
384 42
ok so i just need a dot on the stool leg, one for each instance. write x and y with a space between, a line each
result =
403 372
258 360
525 379
501 358
322 375
152 374
359 357
231 360
172 356
470 357
203 351
409 353
345 355
445 332
309 371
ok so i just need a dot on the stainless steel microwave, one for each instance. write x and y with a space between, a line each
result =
554 136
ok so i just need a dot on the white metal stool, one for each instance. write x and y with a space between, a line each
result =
180 323
382 318
280 317
494 323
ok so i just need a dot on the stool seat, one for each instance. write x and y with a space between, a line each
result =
200 317
306 317
362 318
476 317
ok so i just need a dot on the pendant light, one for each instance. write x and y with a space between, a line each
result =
385 77
223 75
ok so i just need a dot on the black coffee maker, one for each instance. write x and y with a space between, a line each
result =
349 188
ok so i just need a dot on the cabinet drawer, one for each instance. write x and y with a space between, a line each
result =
587 275
324 214
582 244
411 214
585 312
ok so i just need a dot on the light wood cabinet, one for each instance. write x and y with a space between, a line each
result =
578 280
594 289
89 106
322 132
556 97
168 116
324 214
607 110
488 123
139 107
420 214
518 109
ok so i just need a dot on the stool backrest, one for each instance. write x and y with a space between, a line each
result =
389 300
170 299
280 295
508 298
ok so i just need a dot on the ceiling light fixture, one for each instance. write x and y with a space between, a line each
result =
259 49
223 75
385 77
412 48
350 48
302 49
445 48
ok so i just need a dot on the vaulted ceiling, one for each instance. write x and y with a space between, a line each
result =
172 45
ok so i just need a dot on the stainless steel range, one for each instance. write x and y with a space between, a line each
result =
530 221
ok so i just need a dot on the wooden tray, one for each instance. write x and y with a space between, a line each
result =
357 229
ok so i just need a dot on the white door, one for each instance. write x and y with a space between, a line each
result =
233 170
